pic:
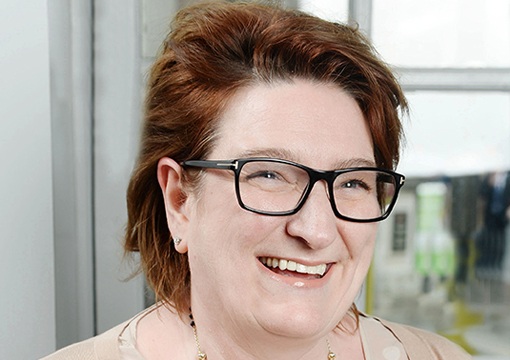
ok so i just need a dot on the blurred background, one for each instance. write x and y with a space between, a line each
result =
72 78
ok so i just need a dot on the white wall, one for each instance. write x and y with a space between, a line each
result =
27 303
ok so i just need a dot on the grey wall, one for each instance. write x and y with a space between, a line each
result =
95 98
70 30
117 102
27 300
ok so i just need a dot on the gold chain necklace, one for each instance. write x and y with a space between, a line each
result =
203 356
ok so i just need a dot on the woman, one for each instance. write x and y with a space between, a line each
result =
266 161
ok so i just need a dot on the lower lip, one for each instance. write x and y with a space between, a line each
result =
296 281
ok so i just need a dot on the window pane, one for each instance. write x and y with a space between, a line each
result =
442 260
456 133
332 10
443 33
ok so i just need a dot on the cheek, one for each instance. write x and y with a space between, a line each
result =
360 240
223 232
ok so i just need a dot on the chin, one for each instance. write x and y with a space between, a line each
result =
298 321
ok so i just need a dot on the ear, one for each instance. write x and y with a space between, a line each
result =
170 181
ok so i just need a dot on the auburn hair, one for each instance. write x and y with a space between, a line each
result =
213 50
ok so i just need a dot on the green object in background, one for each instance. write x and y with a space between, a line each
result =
434 252
422 255
443 255
431 207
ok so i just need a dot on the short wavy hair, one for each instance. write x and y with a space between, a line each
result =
212 51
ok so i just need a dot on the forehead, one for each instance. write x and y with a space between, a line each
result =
316 124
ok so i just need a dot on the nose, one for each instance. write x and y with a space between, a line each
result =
315 223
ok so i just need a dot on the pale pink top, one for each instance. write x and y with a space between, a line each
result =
378 342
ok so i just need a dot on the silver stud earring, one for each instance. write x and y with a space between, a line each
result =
177 240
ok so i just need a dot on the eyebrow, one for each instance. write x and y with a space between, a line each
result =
355 162
288 155
269 152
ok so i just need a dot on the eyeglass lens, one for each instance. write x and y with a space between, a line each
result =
275 187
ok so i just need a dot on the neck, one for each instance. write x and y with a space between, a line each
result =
223 341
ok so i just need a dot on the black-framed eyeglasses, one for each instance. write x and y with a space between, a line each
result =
280 187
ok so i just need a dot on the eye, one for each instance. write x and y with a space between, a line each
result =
355 184
270 175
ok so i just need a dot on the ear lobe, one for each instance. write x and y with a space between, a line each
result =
170 182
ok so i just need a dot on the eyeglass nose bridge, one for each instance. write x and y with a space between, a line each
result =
316 176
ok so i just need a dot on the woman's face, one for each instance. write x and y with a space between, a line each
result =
316 125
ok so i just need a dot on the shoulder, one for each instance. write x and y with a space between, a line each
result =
104 347
421 344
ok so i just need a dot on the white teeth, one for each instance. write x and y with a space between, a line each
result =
282 264
290 265
300 268
321 269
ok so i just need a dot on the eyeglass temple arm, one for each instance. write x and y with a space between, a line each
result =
389 178
211 164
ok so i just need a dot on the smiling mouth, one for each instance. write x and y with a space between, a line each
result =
295 269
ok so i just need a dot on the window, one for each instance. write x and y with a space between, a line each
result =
442 261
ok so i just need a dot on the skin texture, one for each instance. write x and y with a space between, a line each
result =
242 309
